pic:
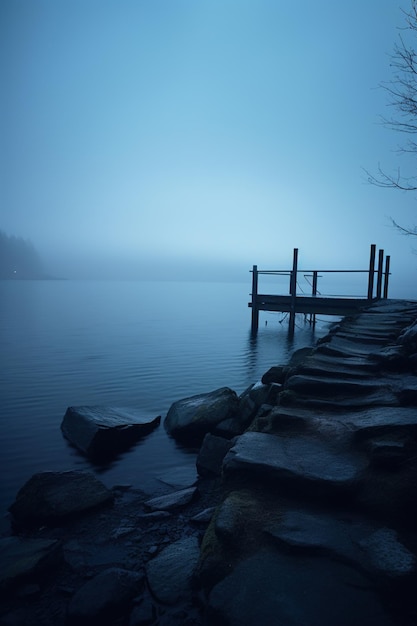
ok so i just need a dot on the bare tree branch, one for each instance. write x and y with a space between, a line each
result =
402 92
390 182
405 231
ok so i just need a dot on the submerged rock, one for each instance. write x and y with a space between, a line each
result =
102 432
191 418
50 497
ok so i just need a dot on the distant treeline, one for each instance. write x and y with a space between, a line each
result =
18 259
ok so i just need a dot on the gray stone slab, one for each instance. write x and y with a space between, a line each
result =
184 476
171 501
358 543
101 432
325 386
328 393
339 346
335 369
382 420
272 588
170 573
300 459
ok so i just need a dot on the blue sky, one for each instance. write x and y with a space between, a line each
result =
147 136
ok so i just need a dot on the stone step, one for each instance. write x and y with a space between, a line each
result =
321 386
300 463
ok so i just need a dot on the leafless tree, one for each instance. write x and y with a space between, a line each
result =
402 91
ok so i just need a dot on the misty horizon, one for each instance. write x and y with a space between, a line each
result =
194 140
137 268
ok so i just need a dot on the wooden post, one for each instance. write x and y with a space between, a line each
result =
371 271
293 290
386 277
315 276
379 276
314 292
255 310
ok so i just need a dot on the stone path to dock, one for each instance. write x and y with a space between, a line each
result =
319 519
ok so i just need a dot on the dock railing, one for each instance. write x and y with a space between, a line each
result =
317 303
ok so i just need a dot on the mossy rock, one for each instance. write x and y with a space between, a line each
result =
235 531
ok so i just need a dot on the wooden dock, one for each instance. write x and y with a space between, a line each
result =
317 303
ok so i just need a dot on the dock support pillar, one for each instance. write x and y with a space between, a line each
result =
255 310
379 274
314 293
386 277
371 271
293 290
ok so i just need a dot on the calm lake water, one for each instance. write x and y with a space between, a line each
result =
132 344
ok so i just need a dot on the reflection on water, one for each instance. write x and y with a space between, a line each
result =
139 345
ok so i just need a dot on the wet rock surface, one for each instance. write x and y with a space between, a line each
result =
306 516
191 418
101 571
50 497
103 432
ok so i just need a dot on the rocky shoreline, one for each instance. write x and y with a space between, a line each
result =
303 512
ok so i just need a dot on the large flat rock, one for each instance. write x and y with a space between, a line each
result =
361 544
101 432
325 386
273 588
302 461
342 347
381 420
324 366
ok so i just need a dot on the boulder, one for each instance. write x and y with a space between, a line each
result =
275 374
191 418
170 574
102 432
235 517
51 497
253 399
106 597
211 455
